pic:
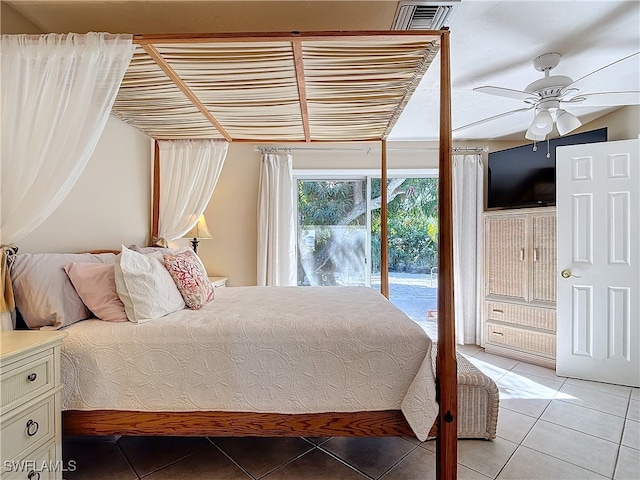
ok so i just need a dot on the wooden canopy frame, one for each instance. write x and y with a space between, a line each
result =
160 73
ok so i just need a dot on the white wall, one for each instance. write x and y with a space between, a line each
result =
11 22
110 203
232 217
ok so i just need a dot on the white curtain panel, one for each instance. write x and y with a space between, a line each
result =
189 171
276 221
56 95
468 203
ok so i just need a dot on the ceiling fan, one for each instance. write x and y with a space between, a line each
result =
548 95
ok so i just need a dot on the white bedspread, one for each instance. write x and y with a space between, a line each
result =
258 349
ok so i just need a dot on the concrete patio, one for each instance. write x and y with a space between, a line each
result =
416 295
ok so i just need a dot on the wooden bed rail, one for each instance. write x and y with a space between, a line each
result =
386 423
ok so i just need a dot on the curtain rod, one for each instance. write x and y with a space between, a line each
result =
365 149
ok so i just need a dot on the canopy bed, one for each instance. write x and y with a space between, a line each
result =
288 88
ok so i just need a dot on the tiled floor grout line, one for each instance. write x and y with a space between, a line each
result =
624 427
126 458
563 459
344 462
416 446
313 447
236 463
164 466
537 419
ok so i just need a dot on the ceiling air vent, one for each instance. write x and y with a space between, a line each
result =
422 15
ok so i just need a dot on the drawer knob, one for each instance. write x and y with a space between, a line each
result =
32 427
33 475
32 377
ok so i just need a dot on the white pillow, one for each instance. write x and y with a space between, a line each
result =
145 286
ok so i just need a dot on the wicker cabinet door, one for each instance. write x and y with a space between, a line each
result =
506 257
543 270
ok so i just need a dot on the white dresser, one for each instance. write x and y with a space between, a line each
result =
519 313
30 422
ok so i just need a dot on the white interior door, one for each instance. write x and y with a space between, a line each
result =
598 207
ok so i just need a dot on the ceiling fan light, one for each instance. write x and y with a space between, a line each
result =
566 122
542 123
534 137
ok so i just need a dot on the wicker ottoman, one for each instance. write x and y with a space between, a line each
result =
478 400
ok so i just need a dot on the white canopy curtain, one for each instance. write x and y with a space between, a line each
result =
189 171
468 202
56 95
276 220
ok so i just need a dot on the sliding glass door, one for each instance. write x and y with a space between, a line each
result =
333 233
339 229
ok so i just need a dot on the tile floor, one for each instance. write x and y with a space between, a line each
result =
549 428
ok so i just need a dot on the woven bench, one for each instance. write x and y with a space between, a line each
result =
478 400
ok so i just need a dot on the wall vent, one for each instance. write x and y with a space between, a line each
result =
422 15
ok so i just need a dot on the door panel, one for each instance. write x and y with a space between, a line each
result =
582 232
598 206
507 252
543 287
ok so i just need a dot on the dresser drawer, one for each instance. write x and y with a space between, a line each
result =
28 429
23 380
523 315
530 341
42 462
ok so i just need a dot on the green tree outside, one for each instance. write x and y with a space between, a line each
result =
412 205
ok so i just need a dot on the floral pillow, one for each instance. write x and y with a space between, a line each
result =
190 277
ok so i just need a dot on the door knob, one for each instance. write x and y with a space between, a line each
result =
566 273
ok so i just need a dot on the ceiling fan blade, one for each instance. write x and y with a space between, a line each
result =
495 117
606 99
505 92
617 62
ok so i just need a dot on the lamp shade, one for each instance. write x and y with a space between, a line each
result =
532 136
566 122
200 230
542 123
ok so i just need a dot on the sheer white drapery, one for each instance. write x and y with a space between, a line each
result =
276 221
57 92
55 98
468 202
189 171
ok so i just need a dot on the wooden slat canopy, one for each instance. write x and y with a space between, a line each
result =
274 87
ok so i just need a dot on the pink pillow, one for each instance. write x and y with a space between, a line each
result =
190 277
95 284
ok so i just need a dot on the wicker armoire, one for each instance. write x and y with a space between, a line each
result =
519 284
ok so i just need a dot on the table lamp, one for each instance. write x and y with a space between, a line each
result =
199 231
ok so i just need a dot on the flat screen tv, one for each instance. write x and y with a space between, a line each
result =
523 177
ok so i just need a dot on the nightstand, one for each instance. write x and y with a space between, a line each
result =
31 432
219 282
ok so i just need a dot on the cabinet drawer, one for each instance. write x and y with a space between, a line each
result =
539 343
29 428
525 316
26 379
43 461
